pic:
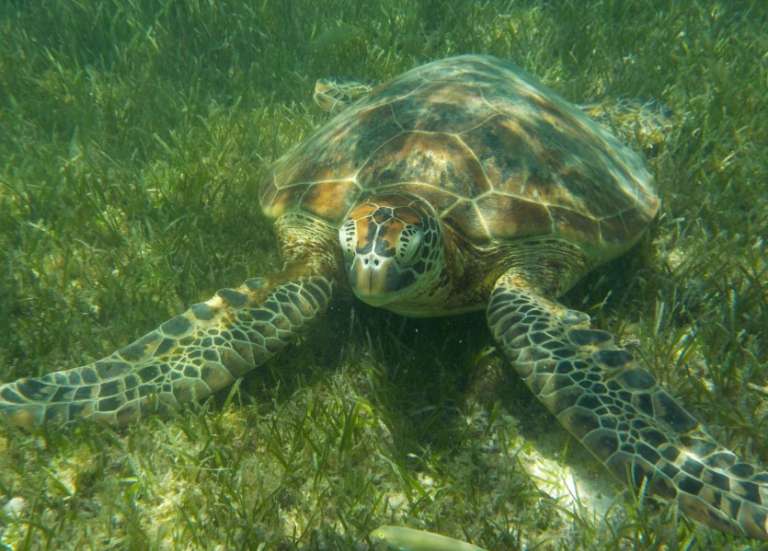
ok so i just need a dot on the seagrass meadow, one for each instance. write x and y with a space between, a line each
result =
133 138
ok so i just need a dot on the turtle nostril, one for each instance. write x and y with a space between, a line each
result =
376 262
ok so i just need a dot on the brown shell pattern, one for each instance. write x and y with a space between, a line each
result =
498 155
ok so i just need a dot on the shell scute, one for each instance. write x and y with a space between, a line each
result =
325 199
436 107
276 201
575 225
507 217
466 217
440 160
503 150
374 127
618 227
440 199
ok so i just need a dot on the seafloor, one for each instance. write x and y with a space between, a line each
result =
133 136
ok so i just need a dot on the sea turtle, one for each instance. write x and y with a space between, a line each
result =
463 184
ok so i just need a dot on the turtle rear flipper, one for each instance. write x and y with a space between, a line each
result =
641 124
621 415
187 358
333 95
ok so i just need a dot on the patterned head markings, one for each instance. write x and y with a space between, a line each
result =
392 246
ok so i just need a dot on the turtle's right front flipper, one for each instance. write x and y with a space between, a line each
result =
187 358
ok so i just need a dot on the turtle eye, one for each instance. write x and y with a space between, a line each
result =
348 236
411 239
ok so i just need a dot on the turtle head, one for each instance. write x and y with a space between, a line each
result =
393 249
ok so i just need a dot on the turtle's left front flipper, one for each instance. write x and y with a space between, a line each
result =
618 411
185 359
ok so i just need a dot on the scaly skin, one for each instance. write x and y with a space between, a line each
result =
185 359
620 414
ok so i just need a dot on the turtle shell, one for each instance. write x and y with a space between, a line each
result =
496 153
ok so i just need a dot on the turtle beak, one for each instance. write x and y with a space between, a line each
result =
370 275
